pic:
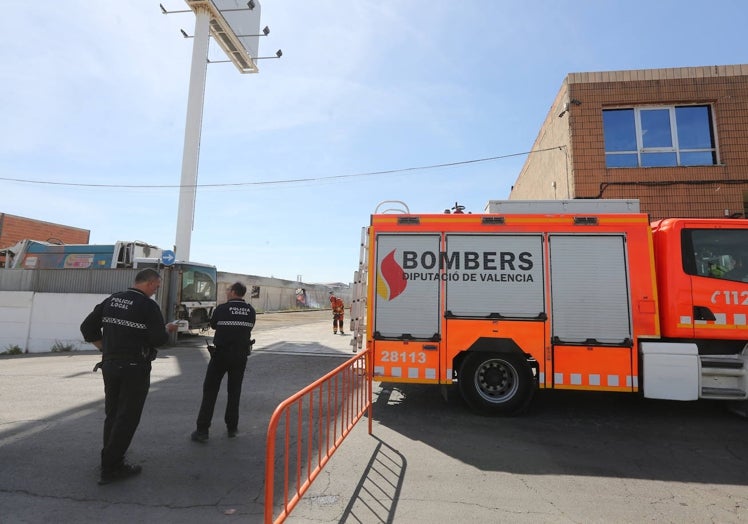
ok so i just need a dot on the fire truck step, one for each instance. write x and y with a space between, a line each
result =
721 363
722 393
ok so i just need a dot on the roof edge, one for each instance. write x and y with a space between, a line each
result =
669 73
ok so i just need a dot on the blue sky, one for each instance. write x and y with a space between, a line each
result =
96 93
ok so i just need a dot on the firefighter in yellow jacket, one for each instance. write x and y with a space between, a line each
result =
338 311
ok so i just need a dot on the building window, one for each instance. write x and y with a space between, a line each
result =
659 136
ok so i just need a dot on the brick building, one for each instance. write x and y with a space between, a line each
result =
14 228
676 139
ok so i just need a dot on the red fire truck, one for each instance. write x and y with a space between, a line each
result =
582 295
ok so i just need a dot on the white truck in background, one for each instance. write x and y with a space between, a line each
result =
189 289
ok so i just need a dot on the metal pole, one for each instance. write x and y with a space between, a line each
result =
191 154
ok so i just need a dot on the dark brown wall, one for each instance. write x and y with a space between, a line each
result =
14 229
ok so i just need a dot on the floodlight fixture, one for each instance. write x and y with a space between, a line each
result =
278 54
235 27
265 32
165 12
250 7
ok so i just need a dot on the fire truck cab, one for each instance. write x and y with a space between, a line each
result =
583 295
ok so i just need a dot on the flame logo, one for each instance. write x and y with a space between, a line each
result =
390 278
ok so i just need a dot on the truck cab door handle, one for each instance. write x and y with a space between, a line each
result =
703 313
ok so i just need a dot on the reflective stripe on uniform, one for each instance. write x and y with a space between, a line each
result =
123 322
235 323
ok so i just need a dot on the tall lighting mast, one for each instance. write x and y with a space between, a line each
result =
235 25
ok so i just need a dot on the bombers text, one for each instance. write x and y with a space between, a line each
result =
468 260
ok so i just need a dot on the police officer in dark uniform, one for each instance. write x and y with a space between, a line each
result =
126 327
233 321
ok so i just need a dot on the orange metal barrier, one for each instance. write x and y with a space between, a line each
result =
313 423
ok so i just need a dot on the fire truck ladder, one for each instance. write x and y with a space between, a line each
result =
360 277
358 304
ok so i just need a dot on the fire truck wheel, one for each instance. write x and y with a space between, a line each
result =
496 383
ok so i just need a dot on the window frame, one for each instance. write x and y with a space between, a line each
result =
724 248
674 148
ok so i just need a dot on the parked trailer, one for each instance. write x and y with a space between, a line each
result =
36 254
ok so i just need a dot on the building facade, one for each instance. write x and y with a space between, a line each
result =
13 229
676 139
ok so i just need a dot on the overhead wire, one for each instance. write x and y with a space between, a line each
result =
278 182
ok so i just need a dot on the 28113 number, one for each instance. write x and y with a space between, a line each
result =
410 357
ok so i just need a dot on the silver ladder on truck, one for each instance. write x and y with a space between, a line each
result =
360 277
358 301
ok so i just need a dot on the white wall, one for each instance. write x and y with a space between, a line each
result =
36 321
57 317
15 318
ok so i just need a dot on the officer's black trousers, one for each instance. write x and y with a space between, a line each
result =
125 389
223 362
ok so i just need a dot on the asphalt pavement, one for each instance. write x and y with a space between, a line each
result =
574 457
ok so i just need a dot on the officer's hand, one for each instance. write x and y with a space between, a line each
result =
171 327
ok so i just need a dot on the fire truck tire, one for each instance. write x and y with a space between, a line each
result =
496 383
